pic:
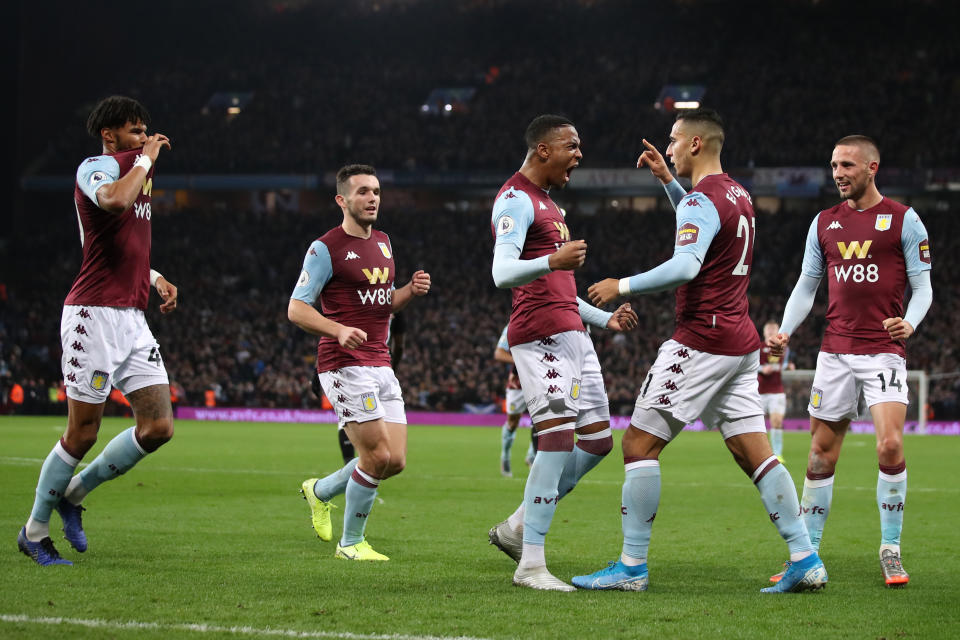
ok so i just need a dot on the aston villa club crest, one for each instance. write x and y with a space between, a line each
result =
369 400
884 220
816 397
99 380
384 249
575 388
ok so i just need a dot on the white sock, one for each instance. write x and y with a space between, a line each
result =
532 556
37 531
515 521
75 492
631 562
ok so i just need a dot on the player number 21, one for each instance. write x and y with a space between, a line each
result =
743 231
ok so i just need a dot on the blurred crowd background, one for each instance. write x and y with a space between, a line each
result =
321 83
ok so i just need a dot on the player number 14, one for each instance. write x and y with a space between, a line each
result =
894 383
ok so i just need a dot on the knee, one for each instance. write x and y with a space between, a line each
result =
395 466
598 447
890 449
155 433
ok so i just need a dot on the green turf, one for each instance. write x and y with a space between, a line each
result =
212 530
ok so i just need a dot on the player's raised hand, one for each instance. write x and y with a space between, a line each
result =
604 292
898 328
351 337
168 292
151 148
569 256
653 160
623 319
778 344
420 283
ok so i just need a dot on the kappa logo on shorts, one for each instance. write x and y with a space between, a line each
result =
816 397
368 401
575 388
554 389
99 380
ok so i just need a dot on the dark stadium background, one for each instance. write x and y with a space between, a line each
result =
323 83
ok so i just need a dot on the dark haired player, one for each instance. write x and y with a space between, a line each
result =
708 369
105 338
868 247
351 270
558 366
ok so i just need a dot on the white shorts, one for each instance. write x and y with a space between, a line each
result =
362 394
516 403
774 403
841 377
105 347
685 384
561 378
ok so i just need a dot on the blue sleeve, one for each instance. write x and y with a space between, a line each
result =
697 225
799 303
814 263
317 271
916 245
920 298
680 269
95 172
592 315
675 192
502 342
512 216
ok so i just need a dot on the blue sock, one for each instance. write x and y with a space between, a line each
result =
776 441
641 499
815 507
360 492
540 495
576 467
779 497
55 475
891 498
506 442
118 457
336 483
530 453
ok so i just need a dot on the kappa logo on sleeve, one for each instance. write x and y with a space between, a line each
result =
924 248
687 234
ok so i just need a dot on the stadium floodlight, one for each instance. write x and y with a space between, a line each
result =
446 101
680 96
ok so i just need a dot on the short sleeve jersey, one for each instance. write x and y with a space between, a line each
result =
115 270
353 278
867 257
771 382
713 313
525 216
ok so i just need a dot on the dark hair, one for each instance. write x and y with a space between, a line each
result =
708 118
115 111
540 126
350 170
862 141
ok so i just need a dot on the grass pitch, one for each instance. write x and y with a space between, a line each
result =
209 538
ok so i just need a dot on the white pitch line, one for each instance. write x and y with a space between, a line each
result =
209 628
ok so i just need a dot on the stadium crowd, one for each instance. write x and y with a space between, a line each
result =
230 340
317 101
